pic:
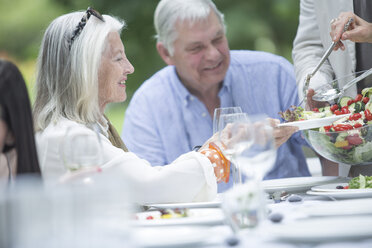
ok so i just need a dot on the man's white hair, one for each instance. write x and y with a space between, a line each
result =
168 12
67 80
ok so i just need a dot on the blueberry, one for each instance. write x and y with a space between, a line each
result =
294 198
276 217
339 187
232 241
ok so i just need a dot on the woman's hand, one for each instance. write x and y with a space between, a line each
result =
359 29
281 134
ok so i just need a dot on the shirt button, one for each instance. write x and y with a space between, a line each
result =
204 114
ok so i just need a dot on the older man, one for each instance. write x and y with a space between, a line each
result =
172 111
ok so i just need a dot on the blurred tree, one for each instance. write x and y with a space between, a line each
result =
251 24
257 25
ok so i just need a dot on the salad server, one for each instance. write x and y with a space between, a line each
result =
327 93
322 60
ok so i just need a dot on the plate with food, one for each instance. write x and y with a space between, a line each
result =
172 217
314 123
357 187
297 184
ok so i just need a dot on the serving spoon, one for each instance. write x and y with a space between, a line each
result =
327 93
322 60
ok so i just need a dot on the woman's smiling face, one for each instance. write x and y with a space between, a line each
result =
113 72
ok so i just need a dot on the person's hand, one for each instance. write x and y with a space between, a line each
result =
281 134
359 30
310 103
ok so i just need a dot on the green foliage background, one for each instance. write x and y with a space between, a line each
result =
267 25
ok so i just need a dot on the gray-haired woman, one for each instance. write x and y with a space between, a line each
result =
82 67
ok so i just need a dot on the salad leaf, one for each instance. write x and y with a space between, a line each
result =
361 182
294 113
367 92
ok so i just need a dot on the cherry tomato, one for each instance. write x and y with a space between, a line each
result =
149 217
365 100
315 109
358 97
351 101
327 128
346 187
342 127
345 110
355 116
368 115
357 125
337 112
334 107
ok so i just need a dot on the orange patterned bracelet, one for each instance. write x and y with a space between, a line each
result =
222 165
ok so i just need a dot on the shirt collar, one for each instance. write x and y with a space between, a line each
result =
103 126
184 94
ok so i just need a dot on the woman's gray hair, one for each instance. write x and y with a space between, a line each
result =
168 12
67 80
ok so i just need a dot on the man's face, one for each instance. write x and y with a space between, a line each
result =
201 53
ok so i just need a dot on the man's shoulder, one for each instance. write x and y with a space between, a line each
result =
259 58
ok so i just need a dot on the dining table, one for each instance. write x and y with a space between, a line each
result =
306 216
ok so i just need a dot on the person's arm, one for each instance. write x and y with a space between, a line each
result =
191 177
308 50
140 132
359 30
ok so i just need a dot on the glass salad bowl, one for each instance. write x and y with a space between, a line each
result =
352 147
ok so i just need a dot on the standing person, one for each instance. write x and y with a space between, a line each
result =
172 111
17 144
82 67
322 22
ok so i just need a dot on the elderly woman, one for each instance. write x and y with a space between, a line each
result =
17 144
82 67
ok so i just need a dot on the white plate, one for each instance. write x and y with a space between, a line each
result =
332 188
314 123
297 184
179 236
324 229
339 208
211 204
197 216
344 193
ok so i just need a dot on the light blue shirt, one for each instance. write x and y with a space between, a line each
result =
164 120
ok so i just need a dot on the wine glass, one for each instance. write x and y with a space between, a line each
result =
255 153
223 111
227 149
81 149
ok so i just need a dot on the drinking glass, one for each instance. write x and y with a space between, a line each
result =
223 111
255 152
80 149
228 150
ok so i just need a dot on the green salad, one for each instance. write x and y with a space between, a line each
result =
361 182
349 139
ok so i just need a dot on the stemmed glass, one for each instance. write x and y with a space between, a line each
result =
255 153
81 149
228 151
218 112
